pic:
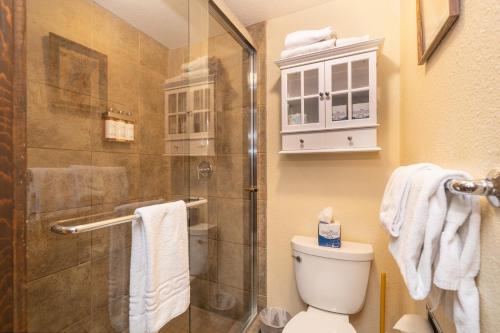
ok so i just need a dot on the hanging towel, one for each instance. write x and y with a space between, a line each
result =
458 261
307 37
159 267
351 40
439 244
320 46
393 207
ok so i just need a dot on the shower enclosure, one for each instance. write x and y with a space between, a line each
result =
129 104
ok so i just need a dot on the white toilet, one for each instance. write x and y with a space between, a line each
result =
332 282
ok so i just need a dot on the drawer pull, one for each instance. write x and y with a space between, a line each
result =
350 139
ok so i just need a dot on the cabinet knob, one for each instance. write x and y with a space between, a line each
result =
350 139
301 141
327 94
321 96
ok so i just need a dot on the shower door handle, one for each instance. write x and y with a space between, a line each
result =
251 189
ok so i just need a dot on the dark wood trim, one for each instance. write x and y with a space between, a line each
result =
425 51
12 165
20 154
6 166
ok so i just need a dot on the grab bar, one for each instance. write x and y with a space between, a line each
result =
61 229
489 187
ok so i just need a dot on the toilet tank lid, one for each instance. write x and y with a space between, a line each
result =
349 250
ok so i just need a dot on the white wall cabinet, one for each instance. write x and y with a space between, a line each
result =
190 118
329 100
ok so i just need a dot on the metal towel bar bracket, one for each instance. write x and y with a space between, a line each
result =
61 227
489 187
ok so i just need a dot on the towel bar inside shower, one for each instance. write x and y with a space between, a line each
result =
63 227
489 187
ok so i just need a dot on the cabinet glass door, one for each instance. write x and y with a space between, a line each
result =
303 105
202 111
351 91
176 117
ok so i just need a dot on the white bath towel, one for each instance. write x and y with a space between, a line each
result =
351 40
307 37
203 62
440 244
458 260
159 267
393 207
319 46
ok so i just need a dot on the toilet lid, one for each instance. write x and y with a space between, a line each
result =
305 322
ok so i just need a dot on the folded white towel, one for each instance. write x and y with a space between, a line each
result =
198 73
440 244
307 37
159 267
393 207
351 40
203 62
319 46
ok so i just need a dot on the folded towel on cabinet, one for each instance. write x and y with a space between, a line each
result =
320 46
159 267
307 37
351 40
393 207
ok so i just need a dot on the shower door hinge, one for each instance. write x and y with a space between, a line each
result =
251 189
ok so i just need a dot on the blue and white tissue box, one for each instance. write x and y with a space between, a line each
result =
329 234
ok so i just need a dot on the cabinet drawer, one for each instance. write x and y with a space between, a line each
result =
337 139
193 147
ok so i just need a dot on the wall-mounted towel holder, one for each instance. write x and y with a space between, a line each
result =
489 187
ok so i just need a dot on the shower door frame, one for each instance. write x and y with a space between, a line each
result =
251 188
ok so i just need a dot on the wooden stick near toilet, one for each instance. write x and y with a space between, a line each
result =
382 302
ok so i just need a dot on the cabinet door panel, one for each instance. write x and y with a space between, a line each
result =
303 106
351 85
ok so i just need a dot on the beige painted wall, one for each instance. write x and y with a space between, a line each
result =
299 186
450 110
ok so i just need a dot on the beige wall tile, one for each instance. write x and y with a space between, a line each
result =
151 106
108 178
153 54
232 175
153 181
57 124
234 265
111 34
58 300
48 253
233 220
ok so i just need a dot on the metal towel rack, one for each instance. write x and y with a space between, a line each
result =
489 187
60 228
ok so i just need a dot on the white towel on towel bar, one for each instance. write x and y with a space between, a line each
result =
307 37
319 46
393 207
159 267
440 244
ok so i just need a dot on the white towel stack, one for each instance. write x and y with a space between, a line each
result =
159 267
307 41
435 240
200 67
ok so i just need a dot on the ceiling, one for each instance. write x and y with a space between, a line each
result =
167 20
254 11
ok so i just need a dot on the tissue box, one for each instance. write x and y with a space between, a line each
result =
329 234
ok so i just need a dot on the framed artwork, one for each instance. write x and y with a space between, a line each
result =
434 19
76 72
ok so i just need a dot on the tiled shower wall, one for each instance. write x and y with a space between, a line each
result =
228 206
70 278
80 283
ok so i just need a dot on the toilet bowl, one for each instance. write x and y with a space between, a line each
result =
332 281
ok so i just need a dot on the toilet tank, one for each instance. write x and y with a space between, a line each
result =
332 279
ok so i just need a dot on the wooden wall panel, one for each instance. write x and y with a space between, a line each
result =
6 166
12 165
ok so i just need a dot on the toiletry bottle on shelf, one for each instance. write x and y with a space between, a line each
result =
130 127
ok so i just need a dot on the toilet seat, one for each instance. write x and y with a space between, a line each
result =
318 321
